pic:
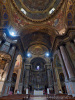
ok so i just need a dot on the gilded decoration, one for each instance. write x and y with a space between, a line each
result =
37 15
70 12
38 49
4 61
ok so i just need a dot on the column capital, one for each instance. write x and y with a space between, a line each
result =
62 44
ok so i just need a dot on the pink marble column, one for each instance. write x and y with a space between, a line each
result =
17 81
67 62
55 80
63 65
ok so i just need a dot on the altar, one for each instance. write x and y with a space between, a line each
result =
38 92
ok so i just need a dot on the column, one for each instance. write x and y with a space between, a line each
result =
0 42
66 61
20 87
74 40
73 45
17 80
50 80
72 54
5 47
26 76
70 85
3 79
58 80
63 66
12 52
55 80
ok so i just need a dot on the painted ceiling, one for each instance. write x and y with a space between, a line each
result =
13 17
36 10
53 24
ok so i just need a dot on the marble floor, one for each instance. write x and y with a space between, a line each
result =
38 98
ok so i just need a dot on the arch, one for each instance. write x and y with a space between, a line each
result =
38 59
37 62
14 77
57 62
61 76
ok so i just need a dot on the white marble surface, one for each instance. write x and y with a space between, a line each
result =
38 98
38 92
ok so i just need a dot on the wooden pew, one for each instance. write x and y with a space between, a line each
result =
16 97
60 97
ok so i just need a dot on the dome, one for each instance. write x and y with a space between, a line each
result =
37 9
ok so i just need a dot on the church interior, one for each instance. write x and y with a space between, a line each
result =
37 49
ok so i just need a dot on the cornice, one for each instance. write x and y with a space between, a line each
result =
59 40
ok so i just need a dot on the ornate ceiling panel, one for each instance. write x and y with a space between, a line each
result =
37 10
70 13
19 21
38 49
37 4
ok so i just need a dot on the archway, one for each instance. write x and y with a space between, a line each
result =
59 74
16 74
13 80
38 75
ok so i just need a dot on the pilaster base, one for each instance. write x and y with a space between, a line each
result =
1 87
70 86
56 88
20 88
7 86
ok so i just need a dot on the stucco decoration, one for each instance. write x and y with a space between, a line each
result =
38 49
37 10
70 12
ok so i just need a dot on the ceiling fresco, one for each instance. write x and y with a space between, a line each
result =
70 13
37 10
13 17
38 49
37 4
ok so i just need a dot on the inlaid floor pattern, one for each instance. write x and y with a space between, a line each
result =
38 98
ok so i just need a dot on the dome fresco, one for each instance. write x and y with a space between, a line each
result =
37 4
37 9
38 49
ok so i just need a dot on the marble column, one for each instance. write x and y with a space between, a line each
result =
70 85
58 79
12 52
55 82
54 78
72 54
67 63
50 80
63 66
0 42
17 80
22 77
73 45
27 76
3 79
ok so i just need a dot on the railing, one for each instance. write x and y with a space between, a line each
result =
60 97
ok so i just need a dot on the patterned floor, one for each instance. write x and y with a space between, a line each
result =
38 98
